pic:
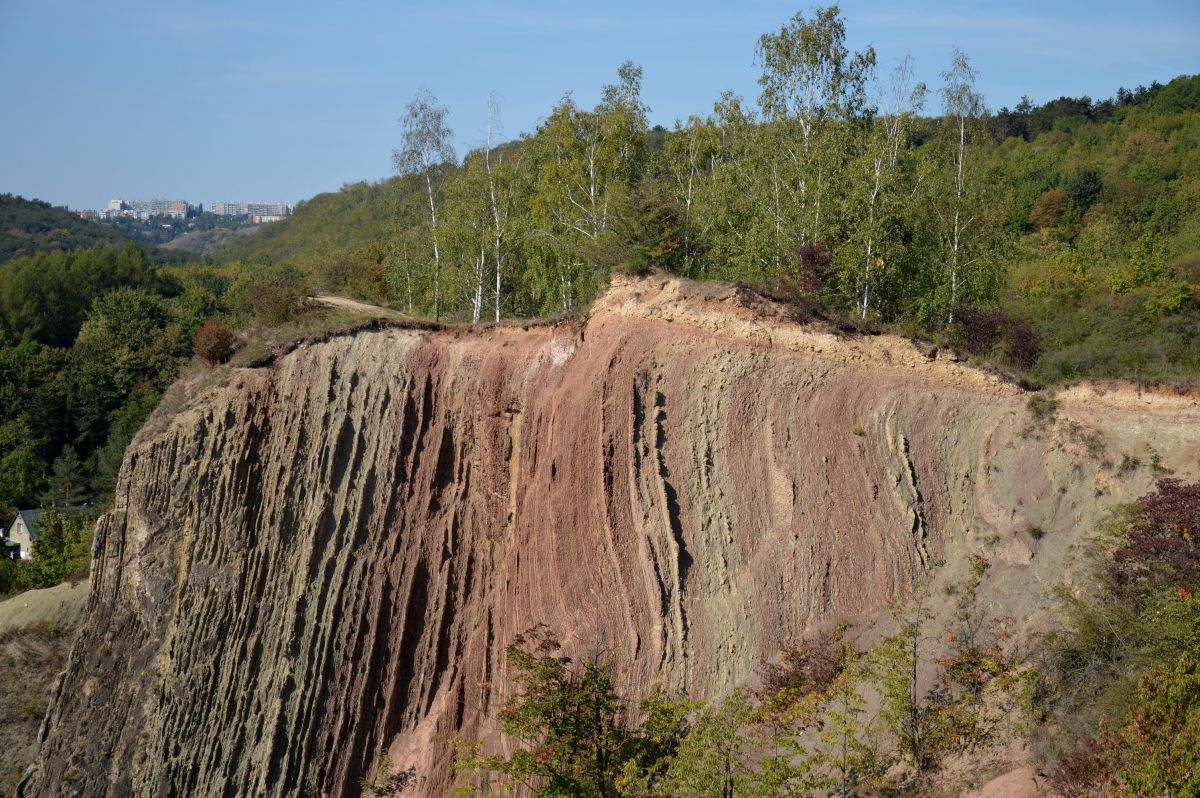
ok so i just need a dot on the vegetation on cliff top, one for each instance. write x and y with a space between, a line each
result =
1062 240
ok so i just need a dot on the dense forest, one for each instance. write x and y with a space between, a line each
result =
89 339
1062 240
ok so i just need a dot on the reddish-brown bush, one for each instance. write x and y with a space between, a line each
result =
1082 770
991 331
809 666
1049 209
1163 544
213 342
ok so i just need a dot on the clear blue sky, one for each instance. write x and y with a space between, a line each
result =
262 101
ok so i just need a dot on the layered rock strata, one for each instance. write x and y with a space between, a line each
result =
322 558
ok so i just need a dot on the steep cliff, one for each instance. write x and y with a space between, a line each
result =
323 557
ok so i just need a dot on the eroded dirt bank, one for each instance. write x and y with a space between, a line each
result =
315 560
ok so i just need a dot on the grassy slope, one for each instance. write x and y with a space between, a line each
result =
36 630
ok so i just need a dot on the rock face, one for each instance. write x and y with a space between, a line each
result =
319 559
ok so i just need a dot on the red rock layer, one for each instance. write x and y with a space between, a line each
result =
323 558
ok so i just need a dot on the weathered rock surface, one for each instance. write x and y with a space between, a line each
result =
324 557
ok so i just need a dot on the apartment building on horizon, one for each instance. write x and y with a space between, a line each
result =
144 209
270 210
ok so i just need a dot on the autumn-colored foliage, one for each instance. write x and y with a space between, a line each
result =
1128 660
213 342
1162 548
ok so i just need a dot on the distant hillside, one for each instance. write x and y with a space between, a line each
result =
348 224
210 243
31 227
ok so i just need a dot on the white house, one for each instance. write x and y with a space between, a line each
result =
23 532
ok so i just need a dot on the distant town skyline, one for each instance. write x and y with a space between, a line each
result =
183 208
244 101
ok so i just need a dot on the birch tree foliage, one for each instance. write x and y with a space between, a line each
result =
483 215
729 202
690 155
810 81
503 186
883 184
587 164
962 108
468 234
426 147
406 259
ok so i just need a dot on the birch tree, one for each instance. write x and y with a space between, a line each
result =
587 162
961 105
468 233
810 80
405 267
690 153
426 150
887 137
497 192
730 201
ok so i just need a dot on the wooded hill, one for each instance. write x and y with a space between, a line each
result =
1062 240
29 227
33 227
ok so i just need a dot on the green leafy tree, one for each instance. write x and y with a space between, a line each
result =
1160 743
128 345
67 482
894 665
570 726
812 84
717 757
587 163
469 233
883 189
62 550
689 156
848 754
22 477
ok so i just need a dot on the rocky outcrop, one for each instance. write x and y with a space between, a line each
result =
323 558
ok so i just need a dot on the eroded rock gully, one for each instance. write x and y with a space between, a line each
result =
325 557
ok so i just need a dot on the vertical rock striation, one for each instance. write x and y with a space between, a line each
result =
322 558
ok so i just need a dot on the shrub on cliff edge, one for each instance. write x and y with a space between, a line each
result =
213 342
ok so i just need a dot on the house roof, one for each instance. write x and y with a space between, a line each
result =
31 518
